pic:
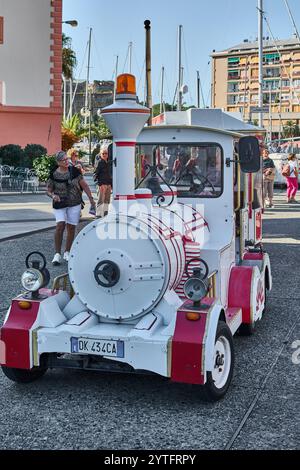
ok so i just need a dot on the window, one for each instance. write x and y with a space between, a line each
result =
232 61
1 29
243 99
296 83
271 58
274 98
285 83
195 170
233 74
232 99
270 84
271 72
232 87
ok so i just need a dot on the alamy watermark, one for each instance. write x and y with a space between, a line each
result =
296 353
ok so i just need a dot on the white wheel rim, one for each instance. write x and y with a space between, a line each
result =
222 362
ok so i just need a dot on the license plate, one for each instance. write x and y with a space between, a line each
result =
100 347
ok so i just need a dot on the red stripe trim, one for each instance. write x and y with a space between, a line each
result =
124 110
125 197
143 196
125 144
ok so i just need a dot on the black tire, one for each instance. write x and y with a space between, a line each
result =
24 376
246 329
210 390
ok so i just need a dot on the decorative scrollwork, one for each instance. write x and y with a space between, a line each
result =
155 184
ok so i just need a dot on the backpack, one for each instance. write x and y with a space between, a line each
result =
286 170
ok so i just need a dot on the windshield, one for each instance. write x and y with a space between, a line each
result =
195 170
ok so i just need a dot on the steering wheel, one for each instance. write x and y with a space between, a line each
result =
203 276
109 270
203 180
28 260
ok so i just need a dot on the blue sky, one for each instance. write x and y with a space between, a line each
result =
207 25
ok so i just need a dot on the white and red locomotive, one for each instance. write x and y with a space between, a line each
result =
164 281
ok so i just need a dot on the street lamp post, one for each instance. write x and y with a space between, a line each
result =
72 23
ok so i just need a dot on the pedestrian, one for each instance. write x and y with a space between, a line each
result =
65 185
95 154
102 176
290 171
74 159
269 172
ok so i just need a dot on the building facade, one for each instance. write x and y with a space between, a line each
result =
30 73
100 94
235 82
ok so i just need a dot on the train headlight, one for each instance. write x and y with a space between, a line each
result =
32 279
195 289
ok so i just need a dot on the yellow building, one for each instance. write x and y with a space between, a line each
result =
235 81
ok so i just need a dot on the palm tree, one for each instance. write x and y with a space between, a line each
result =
68 57
291 129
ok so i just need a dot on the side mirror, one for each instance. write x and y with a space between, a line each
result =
249 154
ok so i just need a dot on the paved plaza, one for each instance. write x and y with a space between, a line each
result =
88 410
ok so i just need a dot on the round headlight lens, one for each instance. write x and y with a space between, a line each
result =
32 279
195 289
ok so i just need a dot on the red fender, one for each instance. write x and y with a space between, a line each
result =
15 334
239 292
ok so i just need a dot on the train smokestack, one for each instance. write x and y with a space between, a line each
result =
125 118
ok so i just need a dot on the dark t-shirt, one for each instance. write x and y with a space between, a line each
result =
66 186
102 174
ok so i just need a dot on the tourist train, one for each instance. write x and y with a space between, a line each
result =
177 268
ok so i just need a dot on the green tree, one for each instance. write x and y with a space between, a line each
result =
69 60
291 129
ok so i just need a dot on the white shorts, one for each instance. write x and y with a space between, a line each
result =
70 215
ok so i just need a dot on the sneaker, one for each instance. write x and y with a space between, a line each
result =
57 259
66 256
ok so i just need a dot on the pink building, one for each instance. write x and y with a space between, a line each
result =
30 72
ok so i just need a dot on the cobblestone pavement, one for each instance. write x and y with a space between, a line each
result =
89 410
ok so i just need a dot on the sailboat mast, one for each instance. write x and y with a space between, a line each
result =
88 78
116 74
260 59
179 88
162 90
198 89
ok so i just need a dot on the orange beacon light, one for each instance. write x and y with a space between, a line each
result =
126 84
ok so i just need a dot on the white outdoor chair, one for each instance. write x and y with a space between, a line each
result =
32 181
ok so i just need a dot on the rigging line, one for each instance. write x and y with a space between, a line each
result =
280 55
261 388
141 76
77 81
136 61
292 19
205 83
126 58
167 83
97 53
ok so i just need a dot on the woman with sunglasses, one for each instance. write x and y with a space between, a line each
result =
65 187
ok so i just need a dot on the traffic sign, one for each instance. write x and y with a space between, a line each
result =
257 109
